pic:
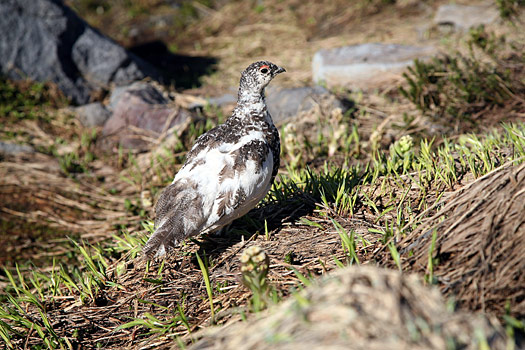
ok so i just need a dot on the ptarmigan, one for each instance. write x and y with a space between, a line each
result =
227 172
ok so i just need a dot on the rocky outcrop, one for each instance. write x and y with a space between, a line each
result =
285 104
44 40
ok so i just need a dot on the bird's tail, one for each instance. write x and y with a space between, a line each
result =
158 244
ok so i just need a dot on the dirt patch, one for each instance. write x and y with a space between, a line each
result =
478 239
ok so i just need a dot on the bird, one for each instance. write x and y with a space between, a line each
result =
227 172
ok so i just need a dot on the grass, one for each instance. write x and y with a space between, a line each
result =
509 8
26 100
386 191
203 264
348 242
338 198
335 193
464 88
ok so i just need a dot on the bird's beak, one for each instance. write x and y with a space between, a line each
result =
280 70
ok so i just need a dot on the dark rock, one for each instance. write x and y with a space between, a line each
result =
284 104
140 115
46 41
365 66
463 17
92 114
13 148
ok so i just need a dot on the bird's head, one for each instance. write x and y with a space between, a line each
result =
258 75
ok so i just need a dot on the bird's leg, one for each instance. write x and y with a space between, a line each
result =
222 231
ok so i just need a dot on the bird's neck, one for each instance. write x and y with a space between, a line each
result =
252 105
249 97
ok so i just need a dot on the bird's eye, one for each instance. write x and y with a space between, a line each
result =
264 69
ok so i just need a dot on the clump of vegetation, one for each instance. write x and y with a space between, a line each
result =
509 8
24 100
254 268
465 87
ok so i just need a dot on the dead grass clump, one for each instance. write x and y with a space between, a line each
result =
33 194
479 239
365 308
485 83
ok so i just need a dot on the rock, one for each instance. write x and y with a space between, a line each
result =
92 114
13 148
365 66
140 115
152 94
358 308
195 103
463 17
46 41
223 100
284 104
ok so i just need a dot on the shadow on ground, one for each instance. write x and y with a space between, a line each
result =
183 72
248 227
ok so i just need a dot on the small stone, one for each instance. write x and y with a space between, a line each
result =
13 148
92 114
223 100
366 66
146 90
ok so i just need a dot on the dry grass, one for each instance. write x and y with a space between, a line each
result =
366 307
476 254
106 201
291 32
240 32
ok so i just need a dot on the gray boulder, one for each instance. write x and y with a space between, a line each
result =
140 114
365 66
284 104
223 100
463 17
44 40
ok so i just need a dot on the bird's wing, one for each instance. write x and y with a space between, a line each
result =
178 213
214 187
